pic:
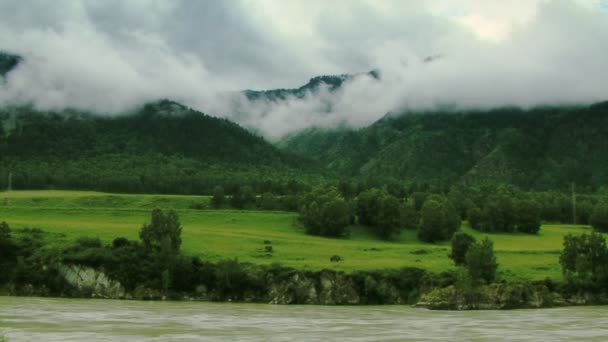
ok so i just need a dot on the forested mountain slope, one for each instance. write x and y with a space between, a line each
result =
163 147
543 148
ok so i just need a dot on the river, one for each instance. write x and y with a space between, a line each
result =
42 319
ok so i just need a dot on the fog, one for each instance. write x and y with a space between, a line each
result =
112 56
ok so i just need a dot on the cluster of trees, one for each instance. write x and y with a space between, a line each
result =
326 212
438 220
388 210
584 262
384 213
502 213
246 198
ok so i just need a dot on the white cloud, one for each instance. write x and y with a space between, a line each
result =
109 56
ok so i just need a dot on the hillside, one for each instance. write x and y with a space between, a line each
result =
543 148
163 147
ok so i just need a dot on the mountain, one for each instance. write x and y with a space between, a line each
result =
542 148
332 82
8 62
162 147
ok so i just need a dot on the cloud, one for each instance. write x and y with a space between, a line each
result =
111 56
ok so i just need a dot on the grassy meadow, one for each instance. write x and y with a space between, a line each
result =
218 234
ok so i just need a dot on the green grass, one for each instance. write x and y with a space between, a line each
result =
219 234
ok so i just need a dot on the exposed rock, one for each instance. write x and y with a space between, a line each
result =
490 297
88 280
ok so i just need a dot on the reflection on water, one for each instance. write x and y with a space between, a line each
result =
38 319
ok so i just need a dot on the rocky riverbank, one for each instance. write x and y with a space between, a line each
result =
326 287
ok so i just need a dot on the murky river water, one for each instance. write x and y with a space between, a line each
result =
38 319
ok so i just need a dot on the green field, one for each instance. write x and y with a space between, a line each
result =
220 234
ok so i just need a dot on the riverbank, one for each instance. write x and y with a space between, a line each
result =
284 286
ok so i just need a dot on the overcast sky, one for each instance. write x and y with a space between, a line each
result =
110 56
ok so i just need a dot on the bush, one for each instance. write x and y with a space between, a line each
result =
88 242
231 279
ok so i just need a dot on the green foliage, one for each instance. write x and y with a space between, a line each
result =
505 212
218 199
498 214
324 212
584 261
599 217
527 216
6 250
381 211
163 147
163 231
461 242
475 217
367 206
438 220
231 279
481 261
5 232
526 148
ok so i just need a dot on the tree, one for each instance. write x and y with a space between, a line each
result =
498 215
438 220
584 260
527 216
461 242
599 217
165 229
367 206
475 217
324 212
381 211
268 202
389 220
481 261
219 197
236 200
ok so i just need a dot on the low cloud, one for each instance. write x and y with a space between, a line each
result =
112 56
